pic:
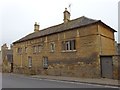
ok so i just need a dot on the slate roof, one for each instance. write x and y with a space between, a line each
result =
72 24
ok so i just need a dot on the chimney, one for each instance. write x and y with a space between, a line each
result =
36 27
66 16
5 46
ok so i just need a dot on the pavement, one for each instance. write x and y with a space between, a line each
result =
100 81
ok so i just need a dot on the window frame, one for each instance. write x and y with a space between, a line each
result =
34 49
40 48
26 49
45 62
69 45
52 47
29 61
19 50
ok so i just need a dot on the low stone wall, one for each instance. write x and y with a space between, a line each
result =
24 70
116 67
74 70
79 68
75 67
6 67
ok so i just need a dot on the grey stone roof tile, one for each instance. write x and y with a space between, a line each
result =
76 23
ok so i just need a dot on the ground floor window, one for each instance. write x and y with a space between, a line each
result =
29 61
45 62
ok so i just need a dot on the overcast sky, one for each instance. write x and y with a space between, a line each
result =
17 17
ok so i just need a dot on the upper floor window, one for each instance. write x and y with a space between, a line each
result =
39 48
34 49
26 49
52 47
68 45
19 50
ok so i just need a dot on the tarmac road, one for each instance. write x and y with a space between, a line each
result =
21 81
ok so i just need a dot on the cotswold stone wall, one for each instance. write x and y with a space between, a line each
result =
116 67
76 67
75 70
79 69
91 41
6 67
84 68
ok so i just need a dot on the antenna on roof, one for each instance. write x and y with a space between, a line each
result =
69 7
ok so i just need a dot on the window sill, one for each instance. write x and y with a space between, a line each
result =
19 53
69 51
52 51
34 53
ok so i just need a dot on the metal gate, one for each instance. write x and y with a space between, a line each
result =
106 66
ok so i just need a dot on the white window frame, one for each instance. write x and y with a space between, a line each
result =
52 47
69 45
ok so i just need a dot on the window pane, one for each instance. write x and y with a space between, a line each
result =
19 50
25 49
52 47
71 48
39 48
29 61
67 45
45 62
34 49
73 45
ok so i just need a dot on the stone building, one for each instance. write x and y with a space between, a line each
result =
0 61
80 48
0 58
118 47
7 58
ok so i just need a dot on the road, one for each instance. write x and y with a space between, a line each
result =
20 81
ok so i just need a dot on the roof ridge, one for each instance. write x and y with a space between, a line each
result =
68 22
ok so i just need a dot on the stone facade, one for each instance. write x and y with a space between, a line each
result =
0 58
118 48
116 67
6 58
90 42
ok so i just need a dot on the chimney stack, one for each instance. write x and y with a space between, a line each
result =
66 16
36 27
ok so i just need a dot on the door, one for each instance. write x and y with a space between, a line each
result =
106 66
